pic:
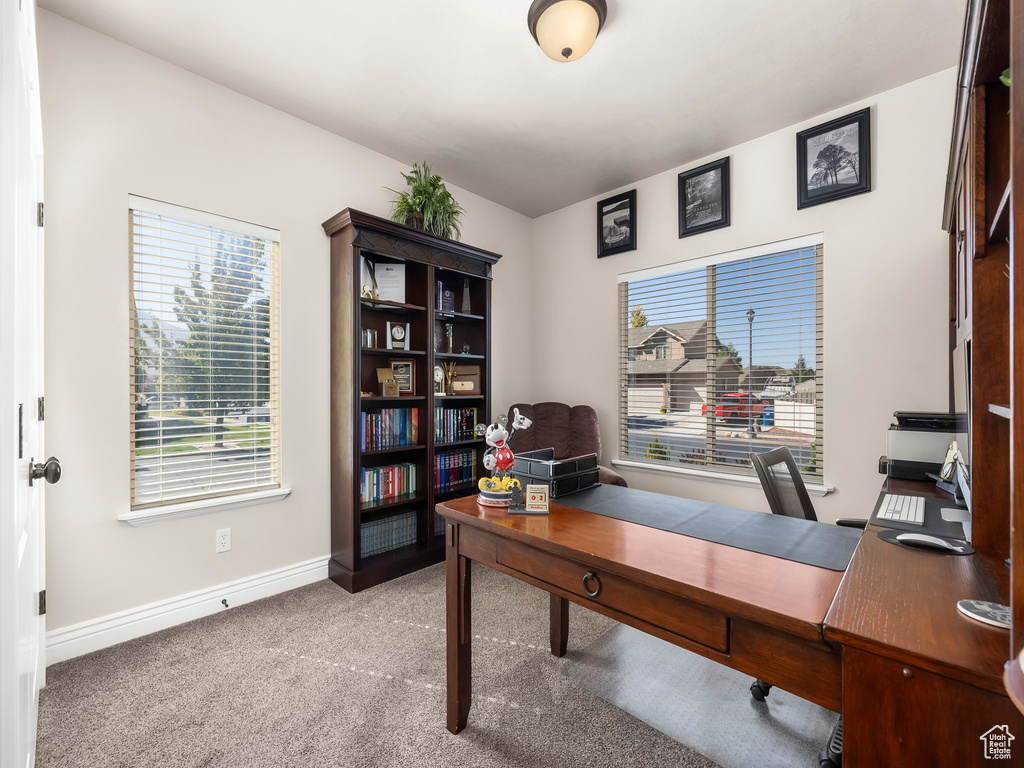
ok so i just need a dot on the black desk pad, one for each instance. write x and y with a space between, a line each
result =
791 538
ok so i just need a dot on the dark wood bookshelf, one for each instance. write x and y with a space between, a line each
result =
985 221
428 259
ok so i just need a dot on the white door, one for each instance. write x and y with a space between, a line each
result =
22 635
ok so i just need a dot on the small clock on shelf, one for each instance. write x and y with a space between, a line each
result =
398 336
438 380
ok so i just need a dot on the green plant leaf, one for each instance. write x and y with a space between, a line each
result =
1005 77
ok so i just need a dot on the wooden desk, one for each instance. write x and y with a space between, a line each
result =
759 614
917 683
921 682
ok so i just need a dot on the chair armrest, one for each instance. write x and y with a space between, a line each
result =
610 477
851 522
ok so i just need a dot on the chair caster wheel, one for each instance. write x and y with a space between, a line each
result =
759 691
824 761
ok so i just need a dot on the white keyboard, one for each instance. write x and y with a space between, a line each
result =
902 509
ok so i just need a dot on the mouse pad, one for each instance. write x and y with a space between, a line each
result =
890 535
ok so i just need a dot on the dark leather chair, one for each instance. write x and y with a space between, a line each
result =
787 495
570 430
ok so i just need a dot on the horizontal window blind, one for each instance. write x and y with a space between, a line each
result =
724 360
205 358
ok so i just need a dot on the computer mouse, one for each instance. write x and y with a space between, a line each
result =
925 541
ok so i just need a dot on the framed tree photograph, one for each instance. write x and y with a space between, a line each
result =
833 160
616 224
704 198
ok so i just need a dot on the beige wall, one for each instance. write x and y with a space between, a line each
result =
119 122
885 287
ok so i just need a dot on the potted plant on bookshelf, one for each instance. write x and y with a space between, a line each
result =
427 204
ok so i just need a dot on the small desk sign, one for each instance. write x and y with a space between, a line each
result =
537 498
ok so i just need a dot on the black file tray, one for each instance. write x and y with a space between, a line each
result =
561 476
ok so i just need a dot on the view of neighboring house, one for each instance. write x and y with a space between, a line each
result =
668 366
754 378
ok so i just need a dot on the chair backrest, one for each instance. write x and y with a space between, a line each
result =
782 484
570 430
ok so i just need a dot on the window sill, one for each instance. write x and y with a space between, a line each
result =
153 515
716 477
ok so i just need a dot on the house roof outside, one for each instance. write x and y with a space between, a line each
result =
681 331
698 366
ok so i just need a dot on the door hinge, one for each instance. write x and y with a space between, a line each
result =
42 603
39 219
42 409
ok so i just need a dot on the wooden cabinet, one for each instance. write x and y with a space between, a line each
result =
383 489
909 716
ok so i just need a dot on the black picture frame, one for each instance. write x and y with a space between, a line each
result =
704 209
619 235
404 372
845 133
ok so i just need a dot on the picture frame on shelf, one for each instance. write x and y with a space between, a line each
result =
390 282
404 372
466 381
704 202
833 160
616 224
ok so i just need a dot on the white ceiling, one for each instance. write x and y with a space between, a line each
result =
462 84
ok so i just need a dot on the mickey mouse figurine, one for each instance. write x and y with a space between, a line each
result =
499 458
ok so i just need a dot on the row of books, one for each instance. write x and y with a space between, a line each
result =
389 428
454 424
454 468
379 483
387 533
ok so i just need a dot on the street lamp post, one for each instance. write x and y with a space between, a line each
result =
750 378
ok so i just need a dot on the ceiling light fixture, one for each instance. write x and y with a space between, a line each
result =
565 29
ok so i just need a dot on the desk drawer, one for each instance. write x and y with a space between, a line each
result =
674 614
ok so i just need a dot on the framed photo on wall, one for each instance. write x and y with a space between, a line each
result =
704 198
833 160
616 224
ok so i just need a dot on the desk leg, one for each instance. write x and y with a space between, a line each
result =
459 639
559 625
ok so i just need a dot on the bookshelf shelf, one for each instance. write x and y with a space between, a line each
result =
430 264
396 449
457 356
392 352
365 507
393 307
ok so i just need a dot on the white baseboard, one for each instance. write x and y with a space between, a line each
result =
88 636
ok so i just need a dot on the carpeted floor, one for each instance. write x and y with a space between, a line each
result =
318 677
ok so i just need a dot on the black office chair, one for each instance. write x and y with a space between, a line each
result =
788 496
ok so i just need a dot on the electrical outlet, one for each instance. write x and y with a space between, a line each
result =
223 541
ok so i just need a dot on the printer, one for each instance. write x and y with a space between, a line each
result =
918 441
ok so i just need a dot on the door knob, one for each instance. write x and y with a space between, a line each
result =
49 471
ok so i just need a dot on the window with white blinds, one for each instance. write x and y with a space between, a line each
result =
722 357
205 361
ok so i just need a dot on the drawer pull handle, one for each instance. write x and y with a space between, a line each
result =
597 584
